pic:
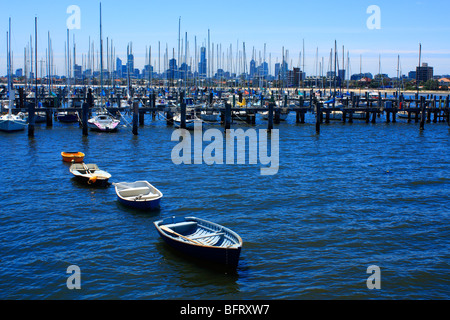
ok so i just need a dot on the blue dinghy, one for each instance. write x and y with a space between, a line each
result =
138 195
201 239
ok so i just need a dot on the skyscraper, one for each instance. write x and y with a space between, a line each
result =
130 63
202 64
252 69
119 68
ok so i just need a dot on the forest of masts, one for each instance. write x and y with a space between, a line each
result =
225 66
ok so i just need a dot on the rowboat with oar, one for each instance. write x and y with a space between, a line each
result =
90 174
76 157
201 239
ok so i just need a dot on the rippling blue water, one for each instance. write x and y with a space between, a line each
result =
354 196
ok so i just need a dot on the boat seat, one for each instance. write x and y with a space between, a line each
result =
183 228
134 192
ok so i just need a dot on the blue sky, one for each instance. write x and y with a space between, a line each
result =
278 24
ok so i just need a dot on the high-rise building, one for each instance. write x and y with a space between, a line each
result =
130 64
277 70
202 64
173 74
424 73
252 69
119 68
264 69
412 75
77 73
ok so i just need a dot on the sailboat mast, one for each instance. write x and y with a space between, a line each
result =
101 57
335 63
417 73
398 76
8 46
35 66
303 64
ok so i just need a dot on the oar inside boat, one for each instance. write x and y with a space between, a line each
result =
167 229
93 178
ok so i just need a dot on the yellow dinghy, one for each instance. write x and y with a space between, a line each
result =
77 157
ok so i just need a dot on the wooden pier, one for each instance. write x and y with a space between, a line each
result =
419 109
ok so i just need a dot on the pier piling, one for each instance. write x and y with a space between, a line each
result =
318 116
227 116
422 113
169 117
270 124
183 115
31 120
135 117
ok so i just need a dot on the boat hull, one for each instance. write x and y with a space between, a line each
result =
227 256
141 205
190 124
67 117
97 128
12 125
103 125
97 183
77 157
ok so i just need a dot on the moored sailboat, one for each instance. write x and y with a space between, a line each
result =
11 122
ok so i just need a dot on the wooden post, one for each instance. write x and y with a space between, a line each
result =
49 117
435 109
302 113
183 115
270 124
447 102
141 117
344 116
84 116
422 113
228 116
31 118
302 117
394 110
169 118
86 111
318 116
21 98
277 116
375 113
135 117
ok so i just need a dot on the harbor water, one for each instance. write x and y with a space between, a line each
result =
354 196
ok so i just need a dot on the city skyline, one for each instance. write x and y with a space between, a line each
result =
285 26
